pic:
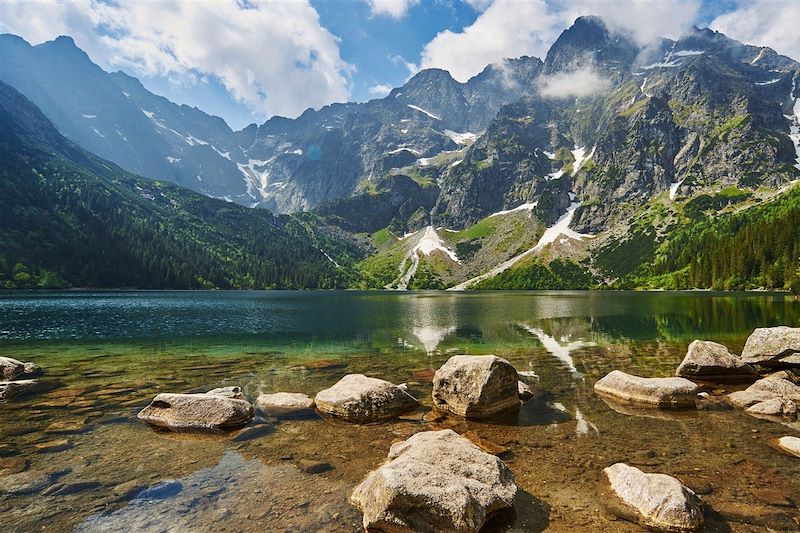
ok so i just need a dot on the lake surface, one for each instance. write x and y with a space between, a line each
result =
106 354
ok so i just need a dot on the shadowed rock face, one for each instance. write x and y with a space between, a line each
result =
654 500
709 361
196 412
435 481
661 392
773 347
361 399
476 386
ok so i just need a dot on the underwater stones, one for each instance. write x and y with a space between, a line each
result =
52 446
773 346
656 501
285 404
763 390
790 445
361 399
476 386
709 361
29 482
196 412
525 391
661 392
10 389
435 481
228 392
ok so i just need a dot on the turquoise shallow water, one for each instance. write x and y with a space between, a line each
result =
106 354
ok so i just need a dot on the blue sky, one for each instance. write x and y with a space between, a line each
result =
246 60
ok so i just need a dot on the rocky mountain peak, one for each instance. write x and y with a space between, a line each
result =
589 41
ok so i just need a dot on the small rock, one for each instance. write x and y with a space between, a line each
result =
127 489
476 386
228 392
662 392
361 399
775 407
285 404
10 368
525 391
657 501
29 482
196 412
709 361
773 346
765 389
14 465
435 481
309 466
790 445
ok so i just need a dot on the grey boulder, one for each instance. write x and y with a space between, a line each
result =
11 369
710 361
361 399
228 392
196 412
773 346
763 390
775 407
657 501
436 481
476 386
661 392
285 403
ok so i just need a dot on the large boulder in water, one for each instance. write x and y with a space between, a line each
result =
10 389
12 369
436 481
773 347
763 390
661 392
196 412
361 399
656 501
476 386
709 361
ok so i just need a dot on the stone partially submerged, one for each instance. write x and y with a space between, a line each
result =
196 412
10 389
12 369
436 481
361 399
790 445
662 392
778 346
709 361
775 407
764 390
476 386
656 501
285 404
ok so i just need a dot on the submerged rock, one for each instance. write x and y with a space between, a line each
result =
476 386
228 392
773 346
709 361
10 389
763 390
196 412
656 501
662 392
358 398
435 481
285 404
790 445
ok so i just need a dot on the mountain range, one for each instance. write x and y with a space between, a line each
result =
604 164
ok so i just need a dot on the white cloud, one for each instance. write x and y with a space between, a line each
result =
275 57
762 23
509 28
506 29
479 5
395 9
576 84
380 90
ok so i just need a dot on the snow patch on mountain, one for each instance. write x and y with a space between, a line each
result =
794 122
523 207
770 82
673 189
416 108
461 138
428 243
580 158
